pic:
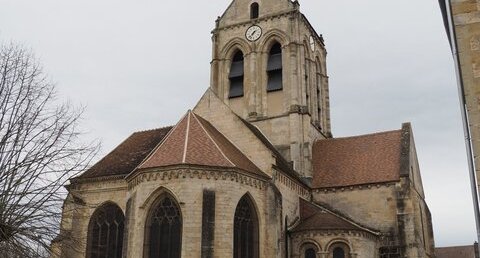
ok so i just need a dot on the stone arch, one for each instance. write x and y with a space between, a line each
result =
164 217
105 231
233 46
309 245
339 243
309 242
147 204
272 37
306 46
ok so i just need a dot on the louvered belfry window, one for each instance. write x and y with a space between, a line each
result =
236 76
105 232
245 240
164 229
274 68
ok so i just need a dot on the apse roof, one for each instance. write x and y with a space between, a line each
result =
126 156
366 159
195 141
315 217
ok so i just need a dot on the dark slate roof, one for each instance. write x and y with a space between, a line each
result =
128 155
194 141
366 159
455 252
315 217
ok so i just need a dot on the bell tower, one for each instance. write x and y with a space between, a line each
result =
269 65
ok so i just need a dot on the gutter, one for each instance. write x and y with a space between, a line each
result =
448 19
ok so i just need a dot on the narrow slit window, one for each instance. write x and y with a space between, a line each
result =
236 76
254 11
310 253
338 253
274 68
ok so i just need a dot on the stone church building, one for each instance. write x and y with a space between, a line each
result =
252 171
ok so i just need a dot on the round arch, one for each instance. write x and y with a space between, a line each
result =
341 243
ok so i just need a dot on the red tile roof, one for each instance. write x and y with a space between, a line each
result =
313 217
455 252
367 159
126 156
195 141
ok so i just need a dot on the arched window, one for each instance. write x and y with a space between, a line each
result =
236 76
310 253
164 229
274 68
105 232
254 11
245 233
338 252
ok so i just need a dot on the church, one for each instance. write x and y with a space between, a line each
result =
253 170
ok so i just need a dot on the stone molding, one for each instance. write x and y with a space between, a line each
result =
354 187
182 172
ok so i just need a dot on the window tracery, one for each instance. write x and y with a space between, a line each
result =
164 229
105 233
245 230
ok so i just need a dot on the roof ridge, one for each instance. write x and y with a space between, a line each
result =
187 134
359 136
150 155
215 143
339 215
153 129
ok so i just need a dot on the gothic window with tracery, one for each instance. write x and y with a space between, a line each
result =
236 76
164 229
274 68
105 232
245 243
254 10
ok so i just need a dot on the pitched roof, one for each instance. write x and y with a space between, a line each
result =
455 252
366 159
280 162
314 217
126 156
195 141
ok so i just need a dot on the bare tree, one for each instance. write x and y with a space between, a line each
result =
40 149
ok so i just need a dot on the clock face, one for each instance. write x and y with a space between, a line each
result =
253 33
312 43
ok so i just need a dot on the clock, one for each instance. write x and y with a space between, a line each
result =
253 33
312 43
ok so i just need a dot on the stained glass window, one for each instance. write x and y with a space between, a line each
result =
105 234
245 230
164 229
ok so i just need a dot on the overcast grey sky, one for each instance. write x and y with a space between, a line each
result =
141 64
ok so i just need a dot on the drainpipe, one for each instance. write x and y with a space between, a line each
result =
463 107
